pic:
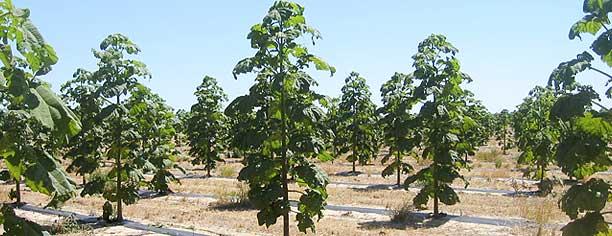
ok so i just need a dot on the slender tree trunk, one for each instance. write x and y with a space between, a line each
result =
541 173
504 145
208 171
354 171
18 190
435 193
285 167
118 164
397 160
84 179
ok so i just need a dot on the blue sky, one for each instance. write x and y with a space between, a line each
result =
507 47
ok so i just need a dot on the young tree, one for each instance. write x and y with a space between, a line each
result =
206 127
180 125
503 134
36 120
358 121
586 132
287 120
332 121
153 120
441 120
398 122
536 136
86 149
117 77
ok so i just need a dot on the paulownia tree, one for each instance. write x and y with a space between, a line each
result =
34 120
85 149
180 125
503 130
332 121
398 123
206 126
536 135
357 126
286 121
586 128
441 120
153 120
37 121
474 134
116 78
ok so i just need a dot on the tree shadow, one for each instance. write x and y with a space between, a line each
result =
376 187
231 206
412 221
348 173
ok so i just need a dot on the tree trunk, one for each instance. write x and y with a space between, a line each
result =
84 180
354 171
118 165
399 167
208 172
435 194
504 145
18 190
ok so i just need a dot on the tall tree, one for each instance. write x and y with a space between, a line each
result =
332 121
153 120
37 121
586 128
536 135
34 120
206 125
86 149
357 121
503 134
117 77
287 120
398 123
442 114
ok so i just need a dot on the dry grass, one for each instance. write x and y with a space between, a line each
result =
233 198
227 171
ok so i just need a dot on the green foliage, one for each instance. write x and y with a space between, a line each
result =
35 120
357 127
86 148
503 129
207 125
584 144
279 123
398 123
153 120
535 134
332 122
115 77
15 225
180 125
442 121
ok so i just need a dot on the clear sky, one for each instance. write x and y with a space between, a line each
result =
507 47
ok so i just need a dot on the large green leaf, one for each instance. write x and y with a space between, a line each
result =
14 225
47 176
52 112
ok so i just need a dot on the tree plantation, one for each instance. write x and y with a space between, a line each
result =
104 154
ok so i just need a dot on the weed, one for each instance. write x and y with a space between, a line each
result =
227 171
402 212
498 162
70 225
488 156
233 199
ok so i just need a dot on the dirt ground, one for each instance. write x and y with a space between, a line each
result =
491 170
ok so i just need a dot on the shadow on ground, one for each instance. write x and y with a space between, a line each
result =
413 221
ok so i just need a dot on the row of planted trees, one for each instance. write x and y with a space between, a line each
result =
126 131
